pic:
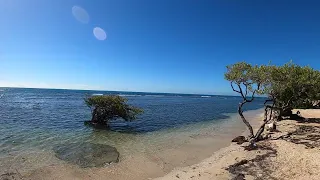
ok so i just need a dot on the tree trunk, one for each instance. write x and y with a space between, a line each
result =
259 132
270 114
98 117
244 119
94 118
267 112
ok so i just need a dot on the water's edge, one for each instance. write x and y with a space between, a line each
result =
174 131
183 147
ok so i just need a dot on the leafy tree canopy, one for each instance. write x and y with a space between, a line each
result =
288 86
108 107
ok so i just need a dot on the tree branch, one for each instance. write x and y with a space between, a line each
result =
246 90
271 112
252 96
244 98
259 132
233 88
244 119
287 104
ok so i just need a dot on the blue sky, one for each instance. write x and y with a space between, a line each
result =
151 45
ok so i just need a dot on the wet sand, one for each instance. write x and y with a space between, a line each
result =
178 150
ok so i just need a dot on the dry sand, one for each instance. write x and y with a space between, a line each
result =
292 153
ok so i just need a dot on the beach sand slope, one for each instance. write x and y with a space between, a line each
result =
291 153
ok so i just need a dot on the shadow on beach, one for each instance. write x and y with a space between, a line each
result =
301 119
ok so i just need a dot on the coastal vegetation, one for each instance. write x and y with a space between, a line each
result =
110 107
286 87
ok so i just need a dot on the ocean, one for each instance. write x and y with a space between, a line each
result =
35 121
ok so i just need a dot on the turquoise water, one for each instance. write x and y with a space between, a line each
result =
35 121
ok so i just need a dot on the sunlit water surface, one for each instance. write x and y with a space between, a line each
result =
35 121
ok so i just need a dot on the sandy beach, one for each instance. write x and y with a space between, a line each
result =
291 153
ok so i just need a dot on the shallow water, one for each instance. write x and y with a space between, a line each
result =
35 121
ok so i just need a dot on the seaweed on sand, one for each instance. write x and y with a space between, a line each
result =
256 167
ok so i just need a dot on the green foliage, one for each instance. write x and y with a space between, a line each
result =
289 85
108 107
294 86
239 72
246 77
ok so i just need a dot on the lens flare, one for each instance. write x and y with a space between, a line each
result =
80 14
99 33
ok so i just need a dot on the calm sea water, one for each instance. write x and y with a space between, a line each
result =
39 119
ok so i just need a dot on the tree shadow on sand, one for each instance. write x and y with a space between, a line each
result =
300 119
257 167
306 135
310 120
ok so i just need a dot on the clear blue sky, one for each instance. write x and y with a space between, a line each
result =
152 45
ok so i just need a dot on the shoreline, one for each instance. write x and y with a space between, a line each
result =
290 153
225 156
191 148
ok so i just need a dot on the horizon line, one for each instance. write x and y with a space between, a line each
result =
116 91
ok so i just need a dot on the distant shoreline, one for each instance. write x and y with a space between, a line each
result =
120 91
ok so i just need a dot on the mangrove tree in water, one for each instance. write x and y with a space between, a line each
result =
110 107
